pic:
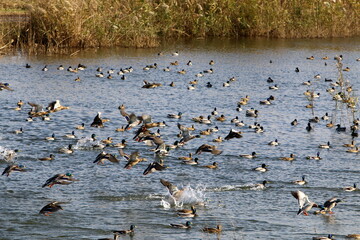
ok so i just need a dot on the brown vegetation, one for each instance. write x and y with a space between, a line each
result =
92 23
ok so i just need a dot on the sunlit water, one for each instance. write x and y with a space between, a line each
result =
109 197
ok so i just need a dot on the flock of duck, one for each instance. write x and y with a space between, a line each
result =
143 125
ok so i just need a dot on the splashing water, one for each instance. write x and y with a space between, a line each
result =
6 154
190 196
88 143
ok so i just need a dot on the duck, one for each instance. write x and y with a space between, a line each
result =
226 84
330 204
310 58
270 80
97 122
214 129
191 87
351 145
325 117
274 143
260 186
208 85
221 118
99 75
208 148
174 191
72 135
153 167
52 138
300 182
305 204
353 150
275 87
182 71
208 71
187 210
191 162
294 122
240 124
200 74
176 116
211 62
290 158
167 69
103 156
194 82
206 120
340 129
186 158
351 188
122 144
107 140
262 168
13 168
19 131
187 225
189 63
212 166
249 156
330 124
235 120
297 69
252 113
218 229
347 69
355 236
67 150
325 146
309 127
62 179
314 120
317 157
44 69
129 231
206 132
80 127
218 139
329 237
175 53
133 159
188 214
50 158
50 208
172 84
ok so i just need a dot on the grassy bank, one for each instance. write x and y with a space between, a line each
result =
92 23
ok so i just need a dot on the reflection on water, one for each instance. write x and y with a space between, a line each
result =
108 197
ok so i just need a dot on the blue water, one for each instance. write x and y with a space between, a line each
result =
108 197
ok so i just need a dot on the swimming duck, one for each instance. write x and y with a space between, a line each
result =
218 139
176 116
240 124
153 167
275 87
265 102
63 179
194 82
297 69
19 131
300 182
274 143
351 145
310 58
353 150
80 127
218 229
329 237
131 230
211 62
187 213
175 53
325 146
294 122
291 158
99 75
330 124
151 85
309 127
5 86
182 71
50 208
208 148
187 158
44 69
212 166
317 157
172 84
67 150
347 69
189 63
208 85
222 118
107 141
340 129
226 84
262 168
191 162
72 135
252 113
50 158
121 145
249 156
97 122
187 225
351 188
208 71
200 74
235 120
270 80
191 87
13 168
103 156
260 186
206 132
355 236
206 120
27 66
314 120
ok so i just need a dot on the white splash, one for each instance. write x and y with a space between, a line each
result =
6 154
88 143
190 196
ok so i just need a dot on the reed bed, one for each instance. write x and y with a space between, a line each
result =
145 23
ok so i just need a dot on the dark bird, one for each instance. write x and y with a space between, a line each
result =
50 208
98 122
103 156
132 160
12 168
233 134
63 179
330 204
208 148
131 230
173 190
218 229
153 167
187 225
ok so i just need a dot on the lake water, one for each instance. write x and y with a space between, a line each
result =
108 197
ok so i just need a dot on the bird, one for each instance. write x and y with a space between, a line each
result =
305 204
81 127
329 237
187 225
300 182
153 167
103 156
218 229
340 129
13 168
233 134
294 122
355 236
317 157
186 158
133 159
187 213
330 204
218 139
290 158
62 179
50 208
262 168
97 122
274 143
129 231
212 166
326 146
67 150
19 131
176 116
173 190
72 135
351 188
309 127
52 138
122 144
250 156
191 162
208 148
53 106
51 157
260 186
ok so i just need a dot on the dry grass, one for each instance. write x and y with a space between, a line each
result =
144 23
